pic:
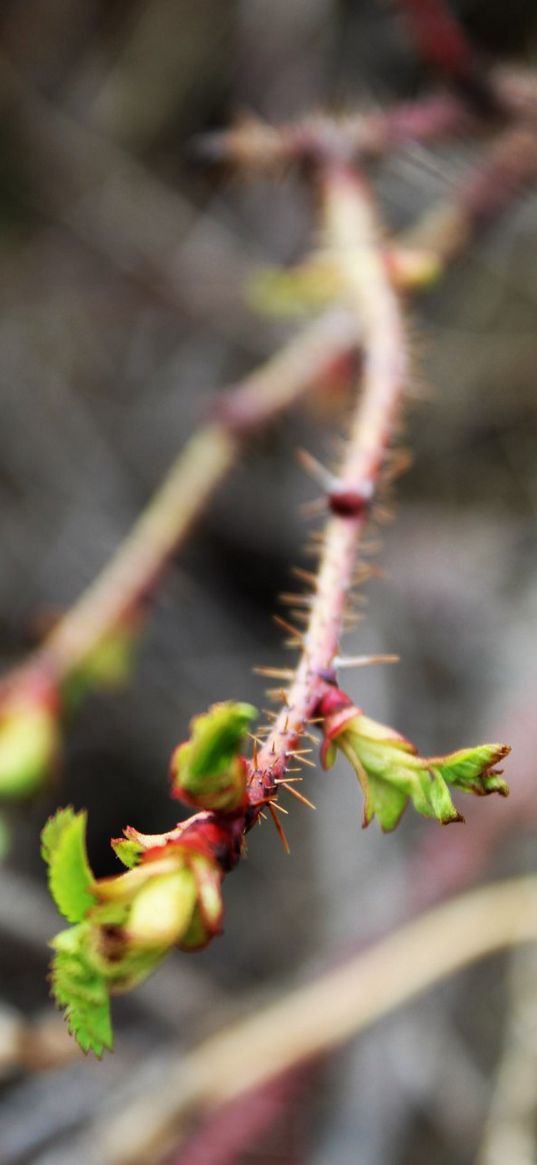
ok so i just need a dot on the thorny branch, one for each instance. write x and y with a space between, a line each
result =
172 893
352 239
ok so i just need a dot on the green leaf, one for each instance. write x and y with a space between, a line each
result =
472 769
217 737
207 770
390 772
128 851
108 665
385 802
29 742
63 847
81 989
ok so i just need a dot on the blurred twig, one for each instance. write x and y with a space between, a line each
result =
315 1018
130 576
509 1133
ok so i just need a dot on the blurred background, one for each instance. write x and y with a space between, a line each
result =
123 288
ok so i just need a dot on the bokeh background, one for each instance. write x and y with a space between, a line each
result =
123 289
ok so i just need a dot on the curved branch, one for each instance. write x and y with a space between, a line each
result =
315 1018
132 573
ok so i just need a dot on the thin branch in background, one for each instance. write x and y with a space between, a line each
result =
33 1045
509 1133
315 1018
115 601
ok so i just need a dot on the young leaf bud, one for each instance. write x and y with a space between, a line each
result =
162 910
391 772
29 745
208 771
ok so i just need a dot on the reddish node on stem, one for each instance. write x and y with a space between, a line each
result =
348 502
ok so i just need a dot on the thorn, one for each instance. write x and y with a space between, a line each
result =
302 616
268 712
400 460
382 514
363 660
280 808
362 574
305 575
255 757
288 627
287 780
297 600
314 468
312 509
274 673
279 829
278 694
263 815
299 796
351 619
304 761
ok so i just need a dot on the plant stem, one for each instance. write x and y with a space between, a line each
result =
131 575
352 236
315 1018
493 185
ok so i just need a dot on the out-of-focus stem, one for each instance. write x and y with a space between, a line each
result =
315 1018
352 238
501 175
512 98
129 578
364 135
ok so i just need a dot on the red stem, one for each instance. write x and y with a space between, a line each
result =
353 237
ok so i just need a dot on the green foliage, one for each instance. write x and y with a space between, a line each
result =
391 773
80 988
108 665
207 770
125 925
128 851
29 740
63 847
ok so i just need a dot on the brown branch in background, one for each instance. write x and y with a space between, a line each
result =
129 578
315 1018
353 241
369 135
493 185
362 135
509 1133
33 1045
236 1127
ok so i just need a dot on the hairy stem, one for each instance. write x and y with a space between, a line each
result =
315 1018
352 236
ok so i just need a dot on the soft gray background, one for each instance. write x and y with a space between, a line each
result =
122 276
